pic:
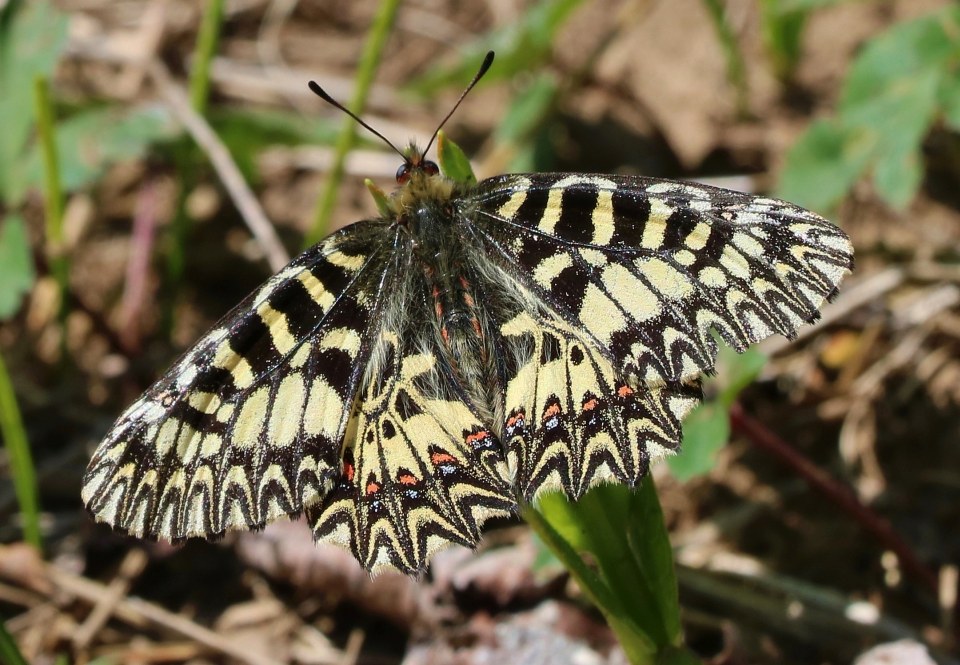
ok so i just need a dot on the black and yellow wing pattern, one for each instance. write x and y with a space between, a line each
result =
411 377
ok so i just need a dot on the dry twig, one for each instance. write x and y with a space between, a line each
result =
223 164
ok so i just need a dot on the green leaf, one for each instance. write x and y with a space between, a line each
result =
30 43
898 117
823 165
623 533
893 93
88 142
16 265
521 47
904 51
453 161
898 174
379 197
560 525
736 371
22 470
949 98
528 109
649 543
705 432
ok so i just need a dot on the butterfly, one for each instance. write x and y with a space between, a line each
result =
412 376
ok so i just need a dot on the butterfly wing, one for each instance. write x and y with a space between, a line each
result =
571 423
630 275
648 267
247 426
422 470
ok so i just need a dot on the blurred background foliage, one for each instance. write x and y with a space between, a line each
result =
122 238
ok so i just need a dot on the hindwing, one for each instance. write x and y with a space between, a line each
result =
571 422
421 470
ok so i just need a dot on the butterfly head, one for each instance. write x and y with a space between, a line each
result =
419 180
415 164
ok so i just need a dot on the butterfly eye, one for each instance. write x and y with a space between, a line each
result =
403 173
430 168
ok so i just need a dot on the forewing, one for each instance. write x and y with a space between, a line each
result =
648 267
247 426
421 471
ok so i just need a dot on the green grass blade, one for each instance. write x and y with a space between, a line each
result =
21 462
639 648
736 67
9 652
522 47
186 153
631 576
53 192
206 47
369 62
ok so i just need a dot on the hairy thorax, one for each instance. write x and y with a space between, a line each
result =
445 301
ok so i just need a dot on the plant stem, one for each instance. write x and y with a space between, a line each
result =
185 153
837 493
369 61
736 67
53 197
21 462
639 649
207 41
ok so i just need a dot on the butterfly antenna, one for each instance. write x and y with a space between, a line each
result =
487 61
322 94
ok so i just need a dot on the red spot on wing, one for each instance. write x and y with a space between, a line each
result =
520 417
407 478
439 457
478 438
624 391
551 411
373 487
590 404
